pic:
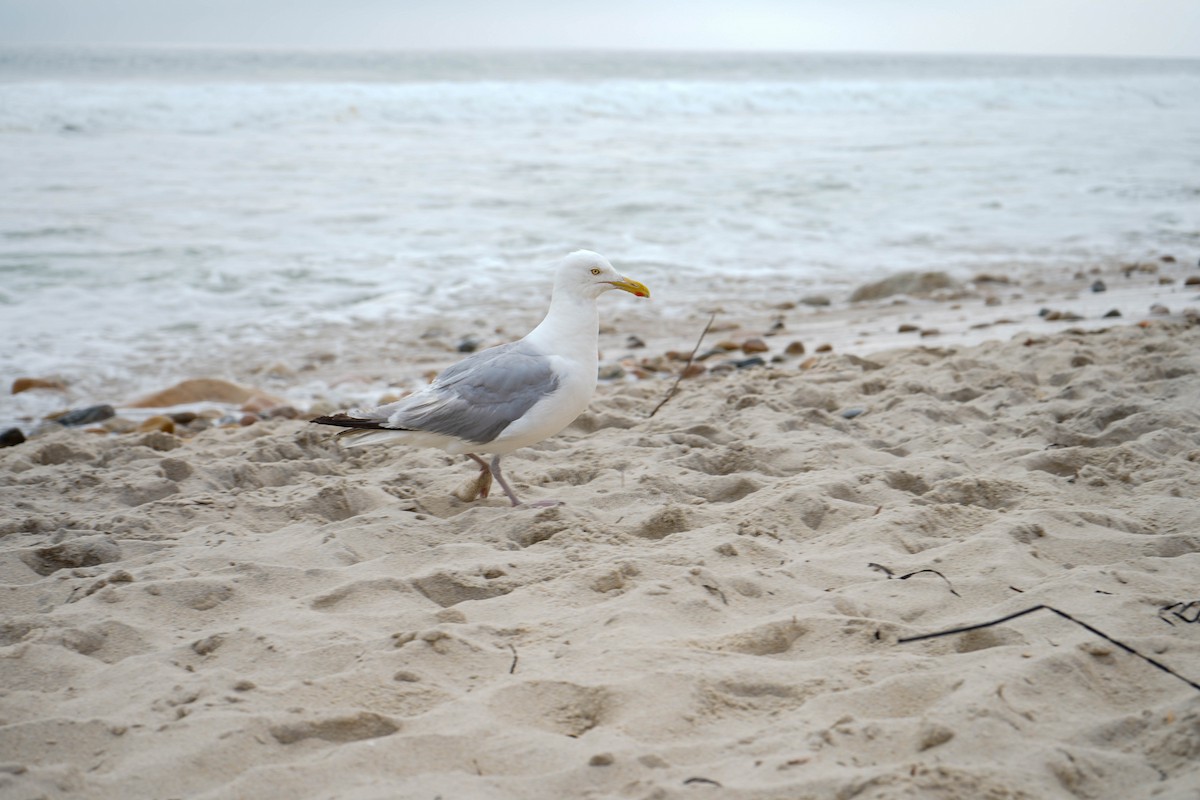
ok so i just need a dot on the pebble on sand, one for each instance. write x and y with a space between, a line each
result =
215 390
85 416
157 423
26 384
914 283
11 437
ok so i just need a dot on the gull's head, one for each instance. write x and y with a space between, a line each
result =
588 274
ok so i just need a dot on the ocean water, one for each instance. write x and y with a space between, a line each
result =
156 201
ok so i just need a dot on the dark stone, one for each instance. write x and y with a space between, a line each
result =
1098 286
468 345
86 416
634 342
754 361
11 437
1113 313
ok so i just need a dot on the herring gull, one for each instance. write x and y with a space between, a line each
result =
509 396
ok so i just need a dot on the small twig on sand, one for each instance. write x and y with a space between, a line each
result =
1065 616
691 358
513 666
892 574
1180 611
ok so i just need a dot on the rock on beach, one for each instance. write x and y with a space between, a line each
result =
911 283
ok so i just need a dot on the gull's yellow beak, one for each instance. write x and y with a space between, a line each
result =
631 286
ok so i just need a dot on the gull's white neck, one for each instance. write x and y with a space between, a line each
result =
571 327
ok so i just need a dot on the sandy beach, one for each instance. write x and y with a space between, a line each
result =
249 610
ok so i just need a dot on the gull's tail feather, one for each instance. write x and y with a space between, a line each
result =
358 438
343 420
361 431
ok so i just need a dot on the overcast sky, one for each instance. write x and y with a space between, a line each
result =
1071 27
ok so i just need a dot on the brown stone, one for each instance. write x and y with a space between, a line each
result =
261 402
655 364
198 390
910 283
754 346
794 349
157 423
907 327
120 425
692 370
824 348
49 384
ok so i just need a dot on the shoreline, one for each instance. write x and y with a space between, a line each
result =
341 364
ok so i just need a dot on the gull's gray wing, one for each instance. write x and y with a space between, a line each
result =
478 397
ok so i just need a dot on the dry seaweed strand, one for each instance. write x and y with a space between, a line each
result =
891 574
691 358
1065 616
1180 611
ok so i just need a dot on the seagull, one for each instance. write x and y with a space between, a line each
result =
509 396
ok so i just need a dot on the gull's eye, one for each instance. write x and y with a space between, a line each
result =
595 270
